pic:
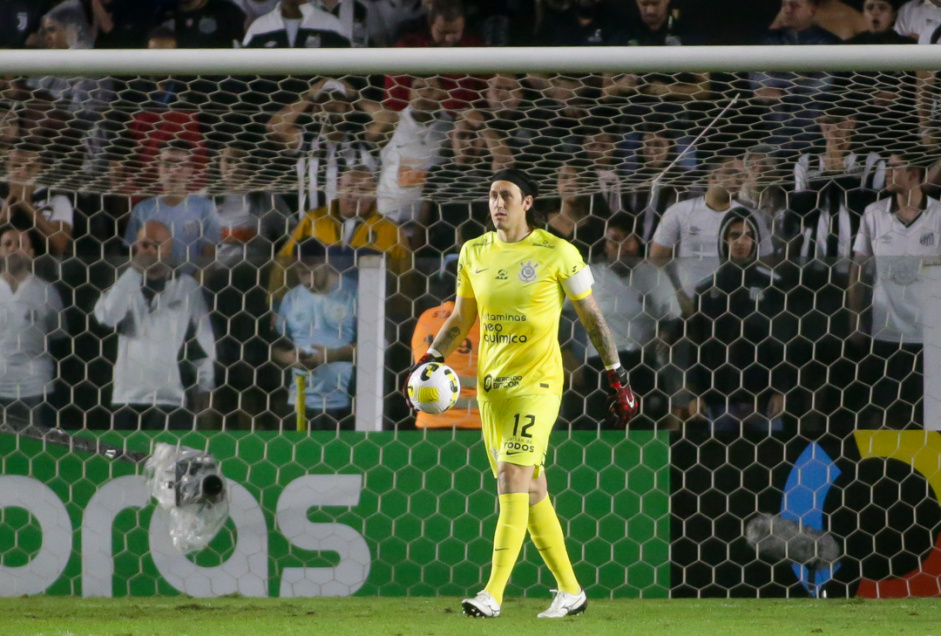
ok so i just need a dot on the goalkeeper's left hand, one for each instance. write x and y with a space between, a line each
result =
624 404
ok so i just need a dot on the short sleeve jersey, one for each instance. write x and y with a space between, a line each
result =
900 292
519 289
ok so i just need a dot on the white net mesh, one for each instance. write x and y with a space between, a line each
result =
759 387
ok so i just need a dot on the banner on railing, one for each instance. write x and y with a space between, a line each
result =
316 515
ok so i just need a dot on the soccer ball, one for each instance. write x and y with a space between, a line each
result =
433 388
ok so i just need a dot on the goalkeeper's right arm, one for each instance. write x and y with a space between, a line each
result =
456 327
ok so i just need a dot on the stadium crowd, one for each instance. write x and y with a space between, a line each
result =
196 237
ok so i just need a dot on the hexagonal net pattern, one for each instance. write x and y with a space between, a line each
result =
757 243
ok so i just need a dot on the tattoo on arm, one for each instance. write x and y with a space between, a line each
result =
597 328
446 340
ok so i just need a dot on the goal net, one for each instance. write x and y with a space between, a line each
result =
762 227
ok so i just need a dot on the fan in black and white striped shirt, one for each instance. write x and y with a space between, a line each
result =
26 207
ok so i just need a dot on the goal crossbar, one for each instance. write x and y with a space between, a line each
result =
472 60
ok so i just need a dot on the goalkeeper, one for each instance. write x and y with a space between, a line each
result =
515 279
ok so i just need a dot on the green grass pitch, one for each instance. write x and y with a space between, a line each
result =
62 616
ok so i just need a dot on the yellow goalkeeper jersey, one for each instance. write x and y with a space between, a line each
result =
519 289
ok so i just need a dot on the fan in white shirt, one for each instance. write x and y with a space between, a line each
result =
689 232
898 231
916 17
413 149
153 311
30 310
895 236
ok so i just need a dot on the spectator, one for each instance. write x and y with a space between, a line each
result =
26 207
464 414
124 24
296 24
763 193
414 147
916 17
254 9
839 156
841 19
503 23
251 221
689 231
841 183
446 28
643 317
387 17
30 328
790 101
317 322
740 329
600 150
20 22
318 129
192 219
154 308
579 219
797 24
896 233
577 23
456 189
350 221
657 187
353 15
66 27
657 26
880 16
208 24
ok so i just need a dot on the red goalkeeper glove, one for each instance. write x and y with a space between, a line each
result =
428 357
624 404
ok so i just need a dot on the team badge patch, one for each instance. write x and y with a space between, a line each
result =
528 271
927 239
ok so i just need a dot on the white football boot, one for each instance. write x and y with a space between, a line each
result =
481 606
565 604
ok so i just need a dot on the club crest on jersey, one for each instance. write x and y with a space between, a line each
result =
528 271
927 239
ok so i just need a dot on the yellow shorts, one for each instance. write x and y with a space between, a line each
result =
516 430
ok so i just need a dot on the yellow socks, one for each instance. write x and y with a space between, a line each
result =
546 532
508 540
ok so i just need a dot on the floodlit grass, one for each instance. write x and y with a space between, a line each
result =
60 616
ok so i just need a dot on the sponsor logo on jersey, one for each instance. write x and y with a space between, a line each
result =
543 243
493 332
502 274
515 448
502 382
528 272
